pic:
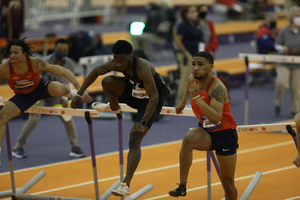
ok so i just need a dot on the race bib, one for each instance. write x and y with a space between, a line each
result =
208 125
138 92
24 84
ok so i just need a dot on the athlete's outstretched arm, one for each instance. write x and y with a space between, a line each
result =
93 75
42 65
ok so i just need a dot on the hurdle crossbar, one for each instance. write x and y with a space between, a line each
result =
270 58
81 112
264 127
263 58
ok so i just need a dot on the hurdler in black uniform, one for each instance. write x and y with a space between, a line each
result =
135 96
141 88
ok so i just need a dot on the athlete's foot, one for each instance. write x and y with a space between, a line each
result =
180 191
122 190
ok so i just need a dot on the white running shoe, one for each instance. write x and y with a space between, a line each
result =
122 190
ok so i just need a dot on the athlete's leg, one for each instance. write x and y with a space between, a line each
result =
9 111
134 154
28 127
227 169
197 139
58 89
71 131
113 87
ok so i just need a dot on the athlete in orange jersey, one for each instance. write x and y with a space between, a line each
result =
23 75
216 129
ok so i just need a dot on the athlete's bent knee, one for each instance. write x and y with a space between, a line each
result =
65 89
188 140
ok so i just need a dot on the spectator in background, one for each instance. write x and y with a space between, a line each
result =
288 43
209 35
168 8
155 16
16 8
266 35
58 57
118 6
5 27
187 38
229 8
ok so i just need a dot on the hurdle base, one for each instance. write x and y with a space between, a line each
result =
140 193
26 187
40 197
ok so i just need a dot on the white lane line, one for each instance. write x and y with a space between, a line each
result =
236 179
88 158
298 197
167 167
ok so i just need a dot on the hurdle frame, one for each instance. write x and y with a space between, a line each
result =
211 156
18 193
263 58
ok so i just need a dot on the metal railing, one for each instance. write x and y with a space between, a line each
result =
38 11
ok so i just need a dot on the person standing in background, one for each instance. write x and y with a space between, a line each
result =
5 27
266 35
58 57
288 43
118 5
187 38
16 8
209 34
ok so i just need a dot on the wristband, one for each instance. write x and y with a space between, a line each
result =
143 122
196 97
78 95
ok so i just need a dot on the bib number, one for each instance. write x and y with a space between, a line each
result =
208 125
138 92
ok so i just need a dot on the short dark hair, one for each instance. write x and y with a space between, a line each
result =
61 41
205 55
26 48
122 47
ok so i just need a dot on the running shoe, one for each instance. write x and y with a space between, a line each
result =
18 153
77 152
180 191
122 190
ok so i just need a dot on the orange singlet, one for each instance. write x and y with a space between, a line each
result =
23 84
227 120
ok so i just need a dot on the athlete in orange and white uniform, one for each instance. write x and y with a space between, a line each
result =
23 75
216 129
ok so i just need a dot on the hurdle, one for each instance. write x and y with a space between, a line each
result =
87 113
16 194
211 156
262 58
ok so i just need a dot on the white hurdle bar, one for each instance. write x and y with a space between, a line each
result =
125 108
263 58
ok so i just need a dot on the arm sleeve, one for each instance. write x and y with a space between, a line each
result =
280 40
268 42
181 29
214 43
